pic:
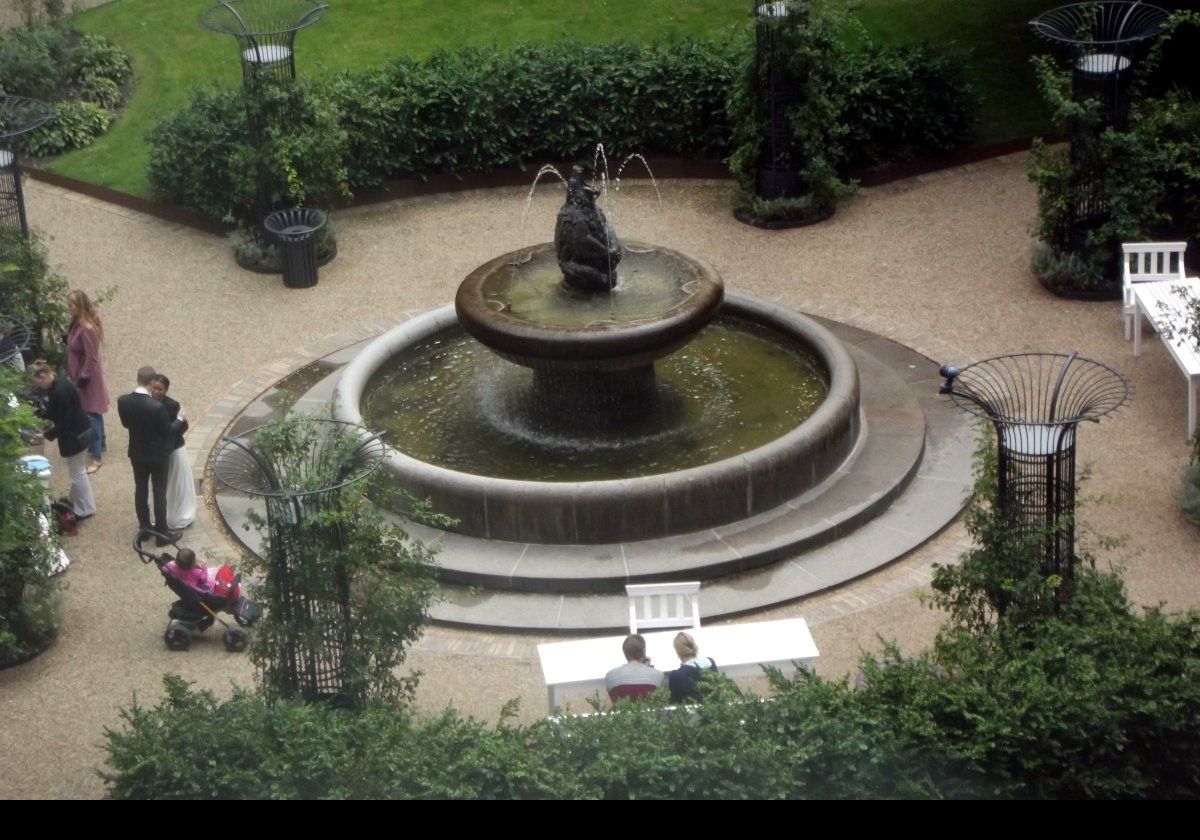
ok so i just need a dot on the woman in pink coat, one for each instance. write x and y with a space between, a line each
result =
84 337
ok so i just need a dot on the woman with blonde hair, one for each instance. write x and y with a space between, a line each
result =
84 337
684 681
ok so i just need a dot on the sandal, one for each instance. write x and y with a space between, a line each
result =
94 468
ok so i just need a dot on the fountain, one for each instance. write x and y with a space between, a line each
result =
567 434
596 413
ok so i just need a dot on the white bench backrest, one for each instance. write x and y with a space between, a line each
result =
1145 261
657 605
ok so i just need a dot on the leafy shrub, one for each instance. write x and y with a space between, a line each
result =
100 91
203 158
341 586
94 57
32 61
33 294
75 125
1189 501
901 103
28 616
480 109
191 152
1144 177
1095 702
855 106
84 75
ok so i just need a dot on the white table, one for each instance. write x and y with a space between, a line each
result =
738 649
1159 302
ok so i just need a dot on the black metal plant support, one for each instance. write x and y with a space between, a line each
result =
1103 40
299 490
266 35
18 117
265 31
777 170
1035 402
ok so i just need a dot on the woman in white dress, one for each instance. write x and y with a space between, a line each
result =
181 486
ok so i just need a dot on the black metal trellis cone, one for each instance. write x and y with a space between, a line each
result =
1035 402
303 538
1104 40
777 170
265 31
18 117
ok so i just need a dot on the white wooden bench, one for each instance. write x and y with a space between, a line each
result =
1147 262
654 606
1163 303
739 650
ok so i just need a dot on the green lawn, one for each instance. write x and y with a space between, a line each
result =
172 53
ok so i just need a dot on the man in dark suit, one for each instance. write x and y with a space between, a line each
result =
151 441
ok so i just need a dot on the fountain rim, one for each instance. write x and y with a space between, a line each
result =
529 343
843 390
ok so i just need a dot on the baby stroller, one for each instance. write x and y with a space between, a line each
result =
195 611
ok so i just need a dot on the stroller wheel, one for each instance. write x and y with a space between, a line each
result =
177 636
205 623
235 639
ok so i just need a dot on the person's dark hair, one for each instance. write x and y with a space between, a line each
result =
634 648
185 559
162 377
145 375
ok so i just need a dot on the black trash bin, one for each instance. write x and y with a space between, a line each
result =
296 230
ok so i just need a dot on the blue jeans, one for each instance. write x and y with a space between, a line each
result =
99 444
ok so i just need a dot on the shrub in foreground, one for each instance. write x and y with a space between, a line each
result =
1095 702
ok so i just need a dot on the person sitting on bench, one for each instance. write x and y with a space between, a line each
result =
637 678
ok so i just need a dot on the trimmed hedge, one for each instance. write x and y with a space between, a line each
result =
481 109
1097 701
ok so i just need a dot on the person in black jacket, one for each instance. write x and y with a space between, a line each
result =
70 426
151 441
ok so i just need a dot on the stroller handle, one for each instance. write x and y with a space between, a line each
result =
146 556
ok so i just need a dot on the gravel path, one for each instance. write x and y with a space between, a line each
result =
939 262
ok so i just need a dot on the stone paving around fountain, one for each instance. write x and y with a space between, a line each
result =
938 263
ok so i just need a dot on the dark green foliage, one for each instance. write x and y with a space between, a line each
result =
996 586
366 585
27 593
84 76
33 294
902 103
1146 174
93 57
477 110
192 152
808 45
203 157
1189 501
31 61
481 109
1095 702
76 125
858 105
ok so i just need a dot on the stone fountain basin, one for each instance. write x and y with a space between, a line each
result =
640 508
605 345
